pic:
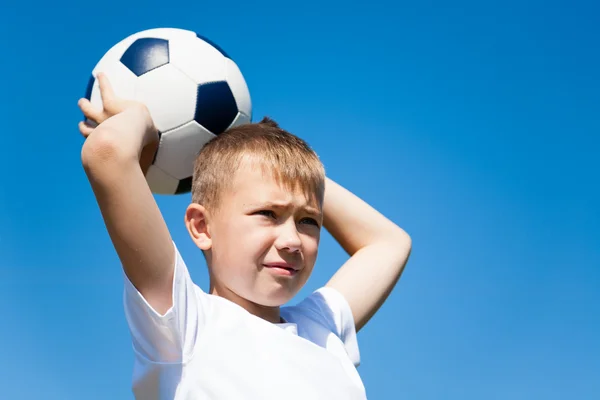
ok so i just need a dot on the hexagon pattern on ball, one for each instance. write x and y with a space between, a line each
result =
198 60
122 80
160 181
179 148
169 95
146 54
192 88
165 33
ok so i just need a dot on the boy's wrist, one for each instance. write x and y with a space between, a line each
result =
126 136
103 148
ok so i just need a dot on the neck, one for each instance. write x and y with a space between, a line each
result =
270 314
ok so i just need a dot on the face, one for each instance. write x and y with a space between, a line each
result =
262 242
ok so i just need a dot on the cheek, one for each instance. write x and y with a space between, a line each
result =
247 243
259 241
227 242
310 245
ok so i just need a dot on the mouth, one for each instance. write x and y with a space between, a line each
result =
282 268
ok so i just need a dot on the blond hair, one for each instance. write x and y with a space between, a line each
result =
289 160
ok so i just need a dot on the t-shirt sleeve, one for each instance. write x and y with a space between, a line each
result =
336 314
168 338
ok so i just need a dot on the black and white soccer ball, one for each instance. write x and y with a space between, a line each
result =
192 88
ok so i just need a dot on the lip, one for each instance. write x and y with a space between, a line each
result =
282 268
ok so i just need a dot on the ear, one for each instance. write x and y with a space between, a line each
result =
196 221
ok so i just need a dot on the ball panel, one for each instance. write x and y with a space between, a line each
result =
160 182
215 106
164 33
88 95
178 149
213 44
239 87
159 141
240 119
121 79
197 59
88 89
169 95
185 185
116 52
146 54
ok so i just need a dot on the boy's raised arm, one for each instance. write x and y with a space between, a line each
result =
379 250
115 156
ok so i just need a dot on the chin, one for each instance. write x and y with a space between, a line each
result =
274 298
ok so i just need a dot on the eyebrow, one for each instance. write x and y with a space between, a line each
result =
270 204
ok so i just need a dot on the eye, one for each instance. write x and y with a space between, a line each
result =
266 213
309 221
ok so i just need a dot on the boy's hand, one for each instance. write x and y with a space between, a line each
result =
129 120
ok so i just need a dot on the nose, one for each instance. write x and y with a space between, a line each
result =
288 238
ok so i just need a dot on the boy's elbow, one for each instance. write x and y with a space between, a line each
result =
394 240
399 243
101 150
402 239
396 243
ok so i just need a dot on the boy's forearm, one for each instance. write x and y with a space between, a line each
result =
136 228
379 250
354 223
115 158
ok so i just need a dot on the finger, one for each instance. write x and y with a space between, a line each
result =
90 111
85 128
106 90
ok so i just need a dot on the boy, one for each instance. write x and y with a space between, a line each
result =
259 199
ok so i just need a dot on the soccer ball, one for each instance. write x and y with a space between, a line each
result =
192 88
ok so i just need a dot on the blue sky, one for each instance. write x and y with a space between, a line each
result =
473 126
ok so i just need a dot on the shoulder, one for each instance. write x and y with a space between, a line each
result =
325 305
325 311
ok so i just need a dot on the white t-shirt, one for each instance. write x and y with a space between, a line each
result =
207 347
